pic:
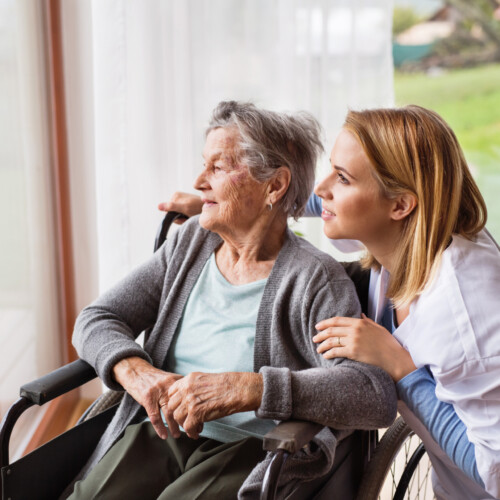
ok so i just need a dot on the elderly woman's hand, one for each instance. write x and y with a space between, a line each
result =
201 397
149 387
363 340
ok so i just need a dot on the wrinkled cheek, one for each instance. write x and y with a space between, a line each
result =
229 208
241 198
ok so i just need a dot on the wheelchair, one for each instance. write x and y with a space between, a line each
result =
396 464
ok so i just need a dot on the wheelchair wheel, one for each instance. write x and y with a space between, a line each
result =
399 468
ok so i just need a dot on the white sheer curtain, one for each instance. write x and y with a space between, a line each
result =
29 321
142 79
159 68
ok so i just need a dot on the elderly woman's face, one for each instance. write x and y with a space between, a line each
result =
232 198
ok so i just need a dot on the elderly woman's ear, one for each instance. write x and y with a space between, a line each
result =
278 185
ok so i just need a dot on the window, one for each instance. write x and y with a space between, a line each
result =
30 327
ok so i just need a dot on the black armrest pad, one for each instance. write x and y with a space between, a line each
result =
58 382
291 435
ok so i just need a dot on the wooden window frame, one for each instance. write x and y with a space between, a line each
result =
63 411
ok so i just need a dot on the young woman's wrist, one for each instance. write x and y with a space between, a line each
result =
403 366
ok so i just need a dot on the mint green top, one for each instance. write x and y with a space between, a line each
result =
216 334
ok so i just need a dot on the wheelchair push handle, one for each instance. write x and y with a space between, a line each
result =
169 218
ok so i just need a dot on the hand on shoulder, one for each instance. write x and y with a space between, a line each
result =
361 339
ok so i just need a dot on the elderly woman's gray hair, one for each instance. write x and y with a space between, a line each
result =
269 140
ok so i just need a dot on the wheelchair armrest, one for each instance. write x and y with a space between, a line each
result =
290 436
285 439
39 392
58 382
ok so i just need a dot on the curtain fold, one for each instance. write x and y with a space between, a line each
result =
30 324
160 67
141 81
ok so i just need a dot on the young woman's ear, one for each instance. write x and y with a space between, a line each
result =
278 186
404 204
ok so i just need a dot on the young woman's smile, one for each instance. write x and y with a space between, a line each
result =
326 215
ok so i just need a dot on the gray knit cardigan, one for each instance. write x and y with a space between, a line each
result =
304 287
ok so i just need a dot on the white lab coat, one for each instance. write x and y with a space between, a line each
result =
454 328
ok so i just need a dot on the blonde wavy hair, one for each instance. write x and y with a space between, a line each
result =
413 150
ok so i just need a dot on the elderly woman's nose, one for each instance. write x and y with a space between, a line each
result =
200 182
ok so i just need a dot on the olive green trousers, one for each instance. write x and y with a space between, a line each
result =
143 466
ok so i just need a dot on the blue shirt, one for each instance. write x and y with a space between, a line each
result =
418 391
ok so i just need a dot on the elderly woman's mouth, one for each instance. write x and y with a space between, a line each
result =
208 203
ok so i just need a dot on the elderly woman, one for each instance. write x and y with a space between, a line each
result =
230 302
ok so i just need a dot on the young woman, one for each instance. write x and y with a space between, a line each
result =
400 184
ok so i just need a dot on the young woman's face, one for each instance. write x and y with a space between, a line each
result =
353 204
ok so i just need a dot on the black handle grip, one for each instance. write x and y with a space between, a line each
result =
58 382
169 218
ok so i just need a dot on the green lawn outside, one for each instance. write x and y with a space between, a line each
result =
469 100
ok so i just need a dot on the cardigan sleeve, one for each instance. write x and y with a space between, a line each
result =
350 396
105 331
340 393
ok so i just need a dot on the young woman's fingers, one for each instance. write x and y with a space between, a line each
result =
330 333
337 352
331 343
335 322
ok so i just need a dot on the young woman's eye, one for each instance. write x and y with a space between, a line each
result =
342 178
